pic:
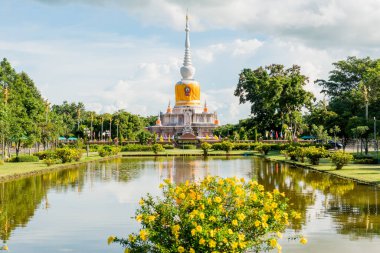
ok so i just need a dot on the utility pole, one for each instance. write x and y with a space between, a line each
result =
375 137
110 136
101 134
92 119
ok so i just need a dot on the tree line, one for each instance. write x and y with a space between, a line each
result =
27 119
280 103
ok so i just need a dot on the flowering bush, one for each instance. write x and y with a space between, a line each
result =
340 159
205 147
157 148
314 154
214 215
263 148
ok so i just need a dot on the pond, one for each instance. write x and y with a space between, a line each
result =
75 210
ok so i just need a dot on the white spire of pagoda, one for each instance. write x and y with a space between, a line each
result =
187 70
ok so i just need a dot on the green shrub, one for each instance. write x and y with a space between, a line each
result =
227 146
243 146
157 148
51 161
205 147
42 155
187 146
199 217
363 159
108 151
263 148
340 159
314 154
68 154
168 146
136 148
217 146
24 158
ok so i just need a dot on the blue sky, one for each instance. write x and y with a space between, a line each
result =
119 54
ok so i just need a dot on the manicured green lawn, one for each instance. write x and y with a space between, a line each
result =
12 169
363 172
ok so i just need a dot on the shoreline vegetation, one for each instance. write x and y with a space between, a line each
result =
361 173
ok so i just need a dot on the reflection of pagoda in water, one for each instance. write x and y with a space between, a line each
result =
180 169
188 119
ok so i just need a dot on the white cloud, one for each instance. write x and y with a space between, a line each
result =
244 47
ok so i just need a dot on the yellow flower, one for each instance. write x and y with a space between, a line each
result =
212 218
235 222
181 249
241 237
217 200
202 241
279 248
192 250
110 239
139 217
199 228
212 233
303 240
131 238
141 202
254 197
127 250
234 245
279 235
240 216
161 186
257 223
193 232
230 231
273 243
182 196
201 216
212 244
151 218
143 234
242 245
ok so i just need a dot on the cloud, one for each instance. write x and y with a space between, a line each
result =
323 23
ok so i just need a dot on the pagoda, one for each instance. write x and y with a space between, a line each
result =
188 119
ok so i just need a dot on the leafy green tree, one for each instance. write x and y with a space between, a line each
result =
276 95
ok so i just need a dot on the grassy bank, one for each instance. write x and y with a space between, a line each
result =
364 173
10 170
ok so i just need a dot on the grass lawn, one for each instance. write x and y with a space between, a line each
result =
8 170
362 172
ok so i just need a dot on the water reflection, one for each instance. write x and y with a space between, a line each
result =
352 208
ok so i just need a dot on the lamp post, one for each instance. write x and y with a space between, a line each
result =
92 119
375 137
87 134
102 128
110 130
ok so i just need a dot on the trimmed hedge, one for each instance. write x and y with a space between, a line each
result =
168 146
24 158
187 146
108 151
42 155
363 159
136 147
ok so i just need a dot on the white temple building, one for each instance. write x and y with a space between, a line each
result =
188 119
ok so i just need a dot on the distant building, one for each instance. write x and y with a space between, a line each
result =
188 119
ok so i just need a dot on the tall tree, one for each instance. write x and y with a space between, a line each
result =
276 94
